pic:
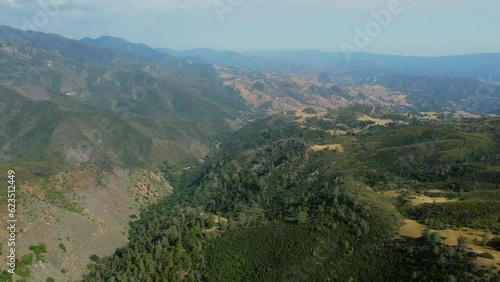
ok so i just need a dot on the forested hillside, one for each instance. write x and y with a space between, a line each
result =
270 206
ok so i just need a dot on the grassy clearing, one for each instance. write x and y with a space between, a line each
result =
217 222
419 200
487 195
413 229
435 191
337 132
422 199
332 147
302 116
429 116
392 194
377 121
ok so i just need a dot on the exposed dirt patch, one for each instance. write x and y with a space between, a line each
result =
217 220
412 228
392 194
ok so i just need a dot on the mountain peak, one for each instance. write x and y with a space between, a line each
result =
135 49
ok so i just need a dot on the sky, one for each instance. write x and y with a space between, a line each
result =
403 27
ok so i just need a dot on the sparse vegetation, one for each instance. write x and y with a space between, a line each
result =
39 251
62 247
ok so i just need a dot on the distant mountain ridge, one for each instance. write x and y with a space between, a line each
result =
231 59
472 66
114 50
138 50
69 48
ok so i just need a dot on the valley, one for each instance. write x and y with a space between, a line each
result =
143 164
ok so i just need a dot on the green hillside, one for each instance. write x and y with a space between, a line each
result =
60 109
265 207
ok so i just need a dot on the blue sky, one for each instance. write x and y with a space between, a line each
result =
420 27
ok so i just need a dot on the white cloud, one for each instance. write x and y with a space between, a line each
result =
11 3
166 4
104 5
141 5
342 5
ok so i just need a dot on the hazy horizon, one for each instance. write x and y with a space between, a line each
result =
423 28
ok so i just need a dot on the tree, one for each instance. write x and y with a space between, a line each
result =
211 222
462 242
426 234
436 250
94 258
302 217
442 260
436 238
486 239
231 224
223 225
